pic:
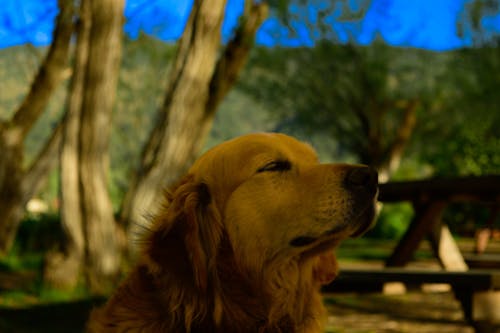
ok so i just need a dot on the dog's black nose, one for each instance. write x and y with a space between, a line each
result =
362 176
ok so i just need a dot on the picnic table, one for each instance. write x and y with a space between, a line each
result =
477 290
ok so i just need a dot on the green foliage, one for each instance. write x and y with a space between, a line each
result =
17 67
462 137
317 92
316 16
466 218
471 19
141 87
355 95
39 233
392 221
51 295
238 114
474 150
364 249
15 261
35 237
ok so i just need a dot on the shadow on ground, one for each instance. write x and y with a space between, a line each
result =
413 312
50 318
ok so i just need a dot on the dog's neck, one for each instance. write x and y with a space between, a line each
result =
276 299
279 301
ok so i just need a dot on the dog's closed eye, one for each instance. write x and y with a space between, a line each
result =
280 165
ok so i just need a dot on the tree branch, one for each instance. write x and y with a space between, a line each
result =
46 160
235 54
405 130
50 73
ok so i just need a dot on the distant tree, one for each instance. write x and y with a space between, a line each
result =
469 142
472 22
366 98
346 91
86 209
17 182
313 18
201 75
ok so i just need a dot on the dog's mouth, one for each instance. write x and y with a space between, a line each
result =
353 228
365 221
302 241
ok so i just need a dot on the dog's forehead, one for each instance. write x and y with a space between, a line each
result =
243 154
230 164
255 148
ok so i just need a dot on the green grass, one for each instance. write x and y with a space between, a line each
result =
21 262
23 266
370 249
364 249
30 290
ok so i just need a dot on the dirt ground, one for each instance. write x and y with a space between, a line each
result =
349 313
421 312
411 312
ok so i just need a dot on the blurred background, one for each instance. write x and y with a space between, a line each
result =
105 104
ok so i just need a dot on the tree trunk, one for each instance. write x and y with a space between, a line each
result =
62 269
392 156
182 111
11 174
14 191
375 148
97 104
199 81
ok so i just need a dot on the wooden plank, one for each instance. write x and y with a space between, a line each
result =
446 249
421 225
477 290
484 261
473 280
482 188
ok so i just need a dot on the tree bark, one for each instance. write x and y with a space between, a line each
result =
63 268
199 80
182 108
97 104
235 54
14 191
11 174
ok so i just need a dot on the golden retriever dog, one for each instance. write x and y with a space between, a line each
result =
244 242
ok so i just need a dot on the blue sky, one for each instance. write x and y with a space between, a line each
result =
429 24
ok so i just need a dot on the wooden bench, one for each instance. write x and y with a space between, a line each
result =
429 199
477 290
483 261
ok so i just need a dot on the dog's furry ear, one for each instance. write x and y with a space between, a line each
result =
186 235
325 268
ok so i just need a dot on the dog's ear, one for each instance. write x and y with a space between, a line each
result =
185 237
325 268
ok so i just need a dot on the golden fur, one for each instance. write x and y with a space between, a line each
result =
244 243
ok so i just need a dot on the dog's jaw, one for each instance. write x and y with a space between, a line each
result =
366 219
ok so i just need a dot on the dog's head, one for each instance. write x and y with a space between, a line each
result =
272 200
